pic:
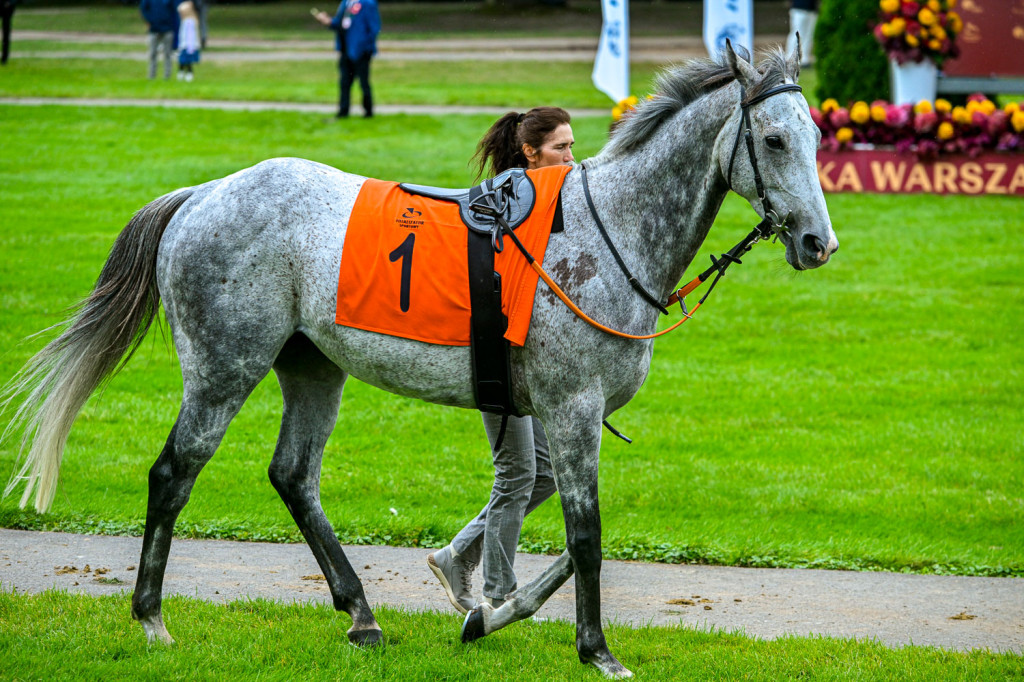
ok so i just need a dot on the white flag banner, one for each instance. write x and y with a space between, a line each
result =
611 66
732 19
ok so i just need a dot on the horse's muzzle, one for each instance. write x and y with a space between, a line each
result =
809 250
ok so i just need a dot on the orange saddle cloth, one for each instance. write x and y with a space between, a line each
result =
404 265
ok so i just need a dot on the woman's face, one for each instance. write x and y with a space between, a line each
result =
556 149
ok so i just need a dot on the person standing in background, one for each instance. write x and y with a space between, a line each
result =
356 25
803 15
6 14
162 18
188 40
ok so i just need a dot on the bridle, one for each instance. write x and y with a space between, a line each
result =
744 131
771 225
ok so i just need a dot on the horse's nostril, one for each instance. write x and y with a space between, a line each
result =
814 244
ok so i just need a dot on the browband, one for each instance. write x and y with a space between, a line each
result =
785 87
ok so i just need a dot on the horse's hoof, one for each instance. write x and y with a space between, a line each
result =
155 631
609 666
366 638
473 625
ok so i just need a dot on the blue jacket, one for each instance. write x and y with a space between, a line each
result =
161 15
360 38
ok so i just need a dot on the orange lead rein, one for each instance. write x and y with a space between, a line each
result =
582 315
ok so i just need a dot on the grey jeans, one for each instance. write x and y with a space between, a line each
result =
164 42
522 480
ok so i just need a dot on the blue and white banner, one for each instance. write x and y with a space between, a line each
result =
732 19
611 66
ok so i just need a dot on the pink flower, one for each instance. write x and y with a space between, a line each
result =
997 123
976 97
910 9
979 119
818 118
839 118
897 116
925 122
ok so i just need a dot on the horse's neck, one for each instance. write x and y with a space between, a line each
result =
660 201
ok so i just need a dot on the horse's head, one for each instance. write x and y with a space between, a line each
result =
775 169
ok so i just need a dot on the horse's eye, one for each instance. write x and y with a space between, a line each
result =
774 142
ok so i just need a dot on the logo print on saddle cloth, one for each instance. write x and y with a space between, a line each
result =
404 265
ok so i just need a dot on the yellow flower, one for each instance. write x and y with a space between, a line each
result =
987 107
878 113
943 106
954 22
616 113
1011 108
934 44
632 101
829 105
945 131
951 3
926 16
844 135
923 107
938 32
934 5
890 6
1017 121
961 115
912 40
973 105
898 26
860 113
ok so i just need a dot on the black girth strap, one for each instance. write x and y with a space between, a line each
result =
492 374
633 281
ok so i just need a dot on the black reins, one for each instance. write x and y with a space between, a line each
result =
770 225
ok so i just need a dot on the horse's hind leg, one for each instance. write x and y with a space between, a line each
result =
207 408
312 387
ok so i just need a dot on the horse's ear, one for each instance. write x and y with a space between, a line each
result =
741 69
794 59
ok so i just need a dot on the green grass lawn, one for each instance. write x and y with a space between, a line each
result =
866 415
57 635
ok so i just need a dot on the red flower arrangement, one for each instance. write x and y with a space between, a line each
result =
924 129
912 31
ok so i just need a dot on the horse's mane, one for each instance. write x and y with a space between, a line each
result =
680 86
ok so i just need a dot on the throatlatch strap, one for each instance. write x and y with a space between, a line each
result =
633 281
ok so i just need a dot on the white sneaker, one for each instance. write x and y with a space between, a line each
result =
456 576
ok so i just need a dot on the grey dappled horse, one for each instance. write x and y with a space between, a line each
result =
247 268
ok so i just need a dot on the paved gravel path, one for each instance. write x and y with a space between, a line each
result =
950 612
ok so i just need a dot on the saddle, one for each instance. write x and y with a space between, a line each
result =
508 197
509 194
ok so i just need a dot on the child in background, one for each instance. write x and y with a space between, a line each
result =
188 40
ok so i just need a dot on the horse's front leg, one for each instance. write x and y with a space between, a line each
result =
574 435
521 604
575 438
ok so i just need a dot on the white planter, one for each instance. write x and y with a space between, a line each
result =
913 81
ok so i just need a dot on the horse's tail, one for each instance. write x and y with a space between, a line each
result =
98 338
